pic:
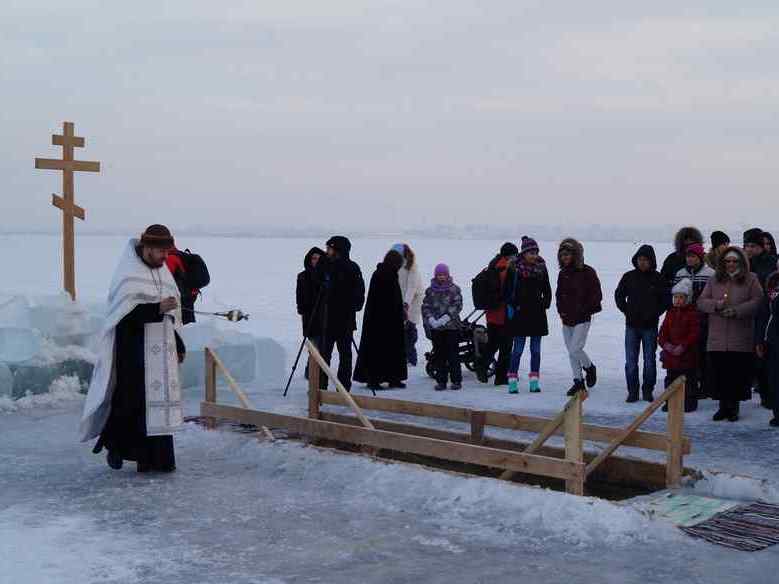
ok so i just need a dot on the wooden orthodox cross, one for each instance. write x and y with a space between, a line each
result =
66 202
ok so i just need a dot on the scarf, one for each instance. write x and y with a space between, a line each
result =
527 270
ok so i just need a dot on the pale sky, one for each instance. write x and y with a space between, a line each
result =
392 114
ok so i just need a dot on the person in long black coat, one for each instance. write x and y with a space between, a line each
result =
529 297
308 294
382 355
124 434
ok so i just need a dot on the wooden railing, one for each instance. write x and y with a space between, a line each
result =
572 463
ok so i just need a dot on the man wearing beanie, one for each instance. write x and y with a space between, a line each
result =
499 340
699 274
719 243
134 399
642 297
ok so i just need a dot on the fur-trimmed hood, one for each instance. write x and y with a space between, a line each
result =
722 274
569 243
692 233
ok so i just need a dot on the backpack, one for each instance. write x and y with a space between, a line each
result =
195 274
486 289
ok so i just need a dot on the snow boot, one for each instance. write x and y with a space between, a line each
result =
719 416
646 394
534 383
632 397
456 386
440 386
591 375
114 460
513 384
578 385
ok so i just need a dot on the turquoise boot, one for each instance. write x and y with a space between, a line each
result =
535 385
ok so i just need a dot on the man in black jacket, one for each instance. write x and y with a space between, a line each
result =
344 297
761 263
642 296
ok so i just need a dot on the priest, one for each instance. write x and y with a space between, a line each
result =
134 400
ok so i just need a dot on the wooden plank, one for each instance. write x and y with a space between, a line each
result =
67 165
477 427
313 389
314 352
210 382
49 164
617 442
85 166
648 440
468 453
398 406
574 445
242 397
625 471
63 205
592 433
60 140
675 461
551 427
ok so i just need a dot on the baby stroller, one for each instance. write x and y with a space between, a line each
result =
473 341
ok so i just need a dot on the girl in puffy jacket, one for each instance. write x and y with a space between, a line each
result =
678 339
441 310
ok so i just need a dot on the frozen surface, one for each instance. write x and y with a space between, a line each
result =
18 344
242 511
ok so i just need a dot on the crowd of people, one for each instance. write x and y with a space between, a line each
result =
710 314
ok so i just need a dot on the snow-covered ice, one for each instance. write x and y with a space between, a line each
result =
240 510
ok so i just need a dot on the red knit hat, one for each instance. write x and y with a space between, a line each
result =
696 249
158 236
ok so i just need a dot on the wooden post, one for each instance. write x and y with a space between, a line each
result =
314 402
210 380
68 140
675 458
574 445
477 426
314 352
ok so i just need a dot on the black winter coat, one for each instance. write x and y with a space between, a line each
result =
642 296
309 286
763 266
382 355
530 297
345 296
672 264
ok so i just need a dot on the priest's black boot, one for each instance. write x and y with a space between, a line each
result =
114 460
